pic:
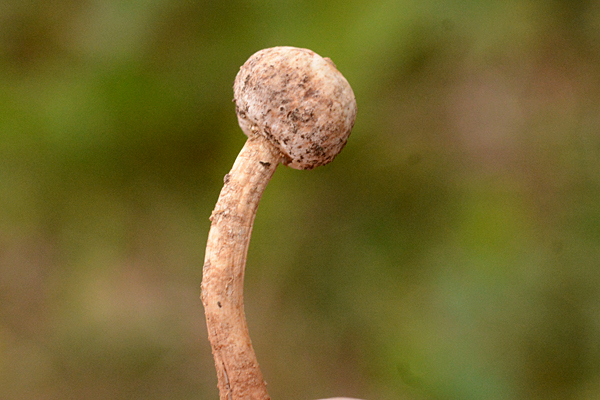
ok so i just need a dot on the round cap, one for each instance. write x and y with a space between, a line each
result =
299 101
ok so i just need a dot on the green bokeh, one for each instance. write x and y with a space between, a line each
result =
451 251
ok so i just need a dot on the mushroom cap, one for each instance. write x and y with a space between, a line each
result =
299 101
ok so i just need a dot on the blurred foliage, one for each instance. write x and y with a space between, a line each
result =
450 252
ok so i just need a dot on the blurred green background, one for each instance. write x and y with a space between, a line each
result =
451 251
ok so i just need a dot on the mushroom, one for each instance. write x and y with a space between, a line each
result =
298 110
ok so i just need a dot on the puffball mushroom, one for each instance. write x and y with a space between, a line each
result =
297 109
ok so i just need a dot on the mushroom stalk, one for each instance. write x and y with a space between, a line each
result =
239 376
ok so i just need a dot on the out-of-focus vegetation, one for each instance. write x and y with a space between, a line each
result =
451 251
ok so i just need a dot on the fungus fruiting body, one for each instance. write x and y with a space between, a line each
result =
297 109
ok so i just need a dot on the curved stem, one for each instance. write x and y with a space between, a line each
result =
238 372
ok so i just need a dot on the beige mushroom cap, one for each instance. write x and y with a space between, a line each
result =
299 101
